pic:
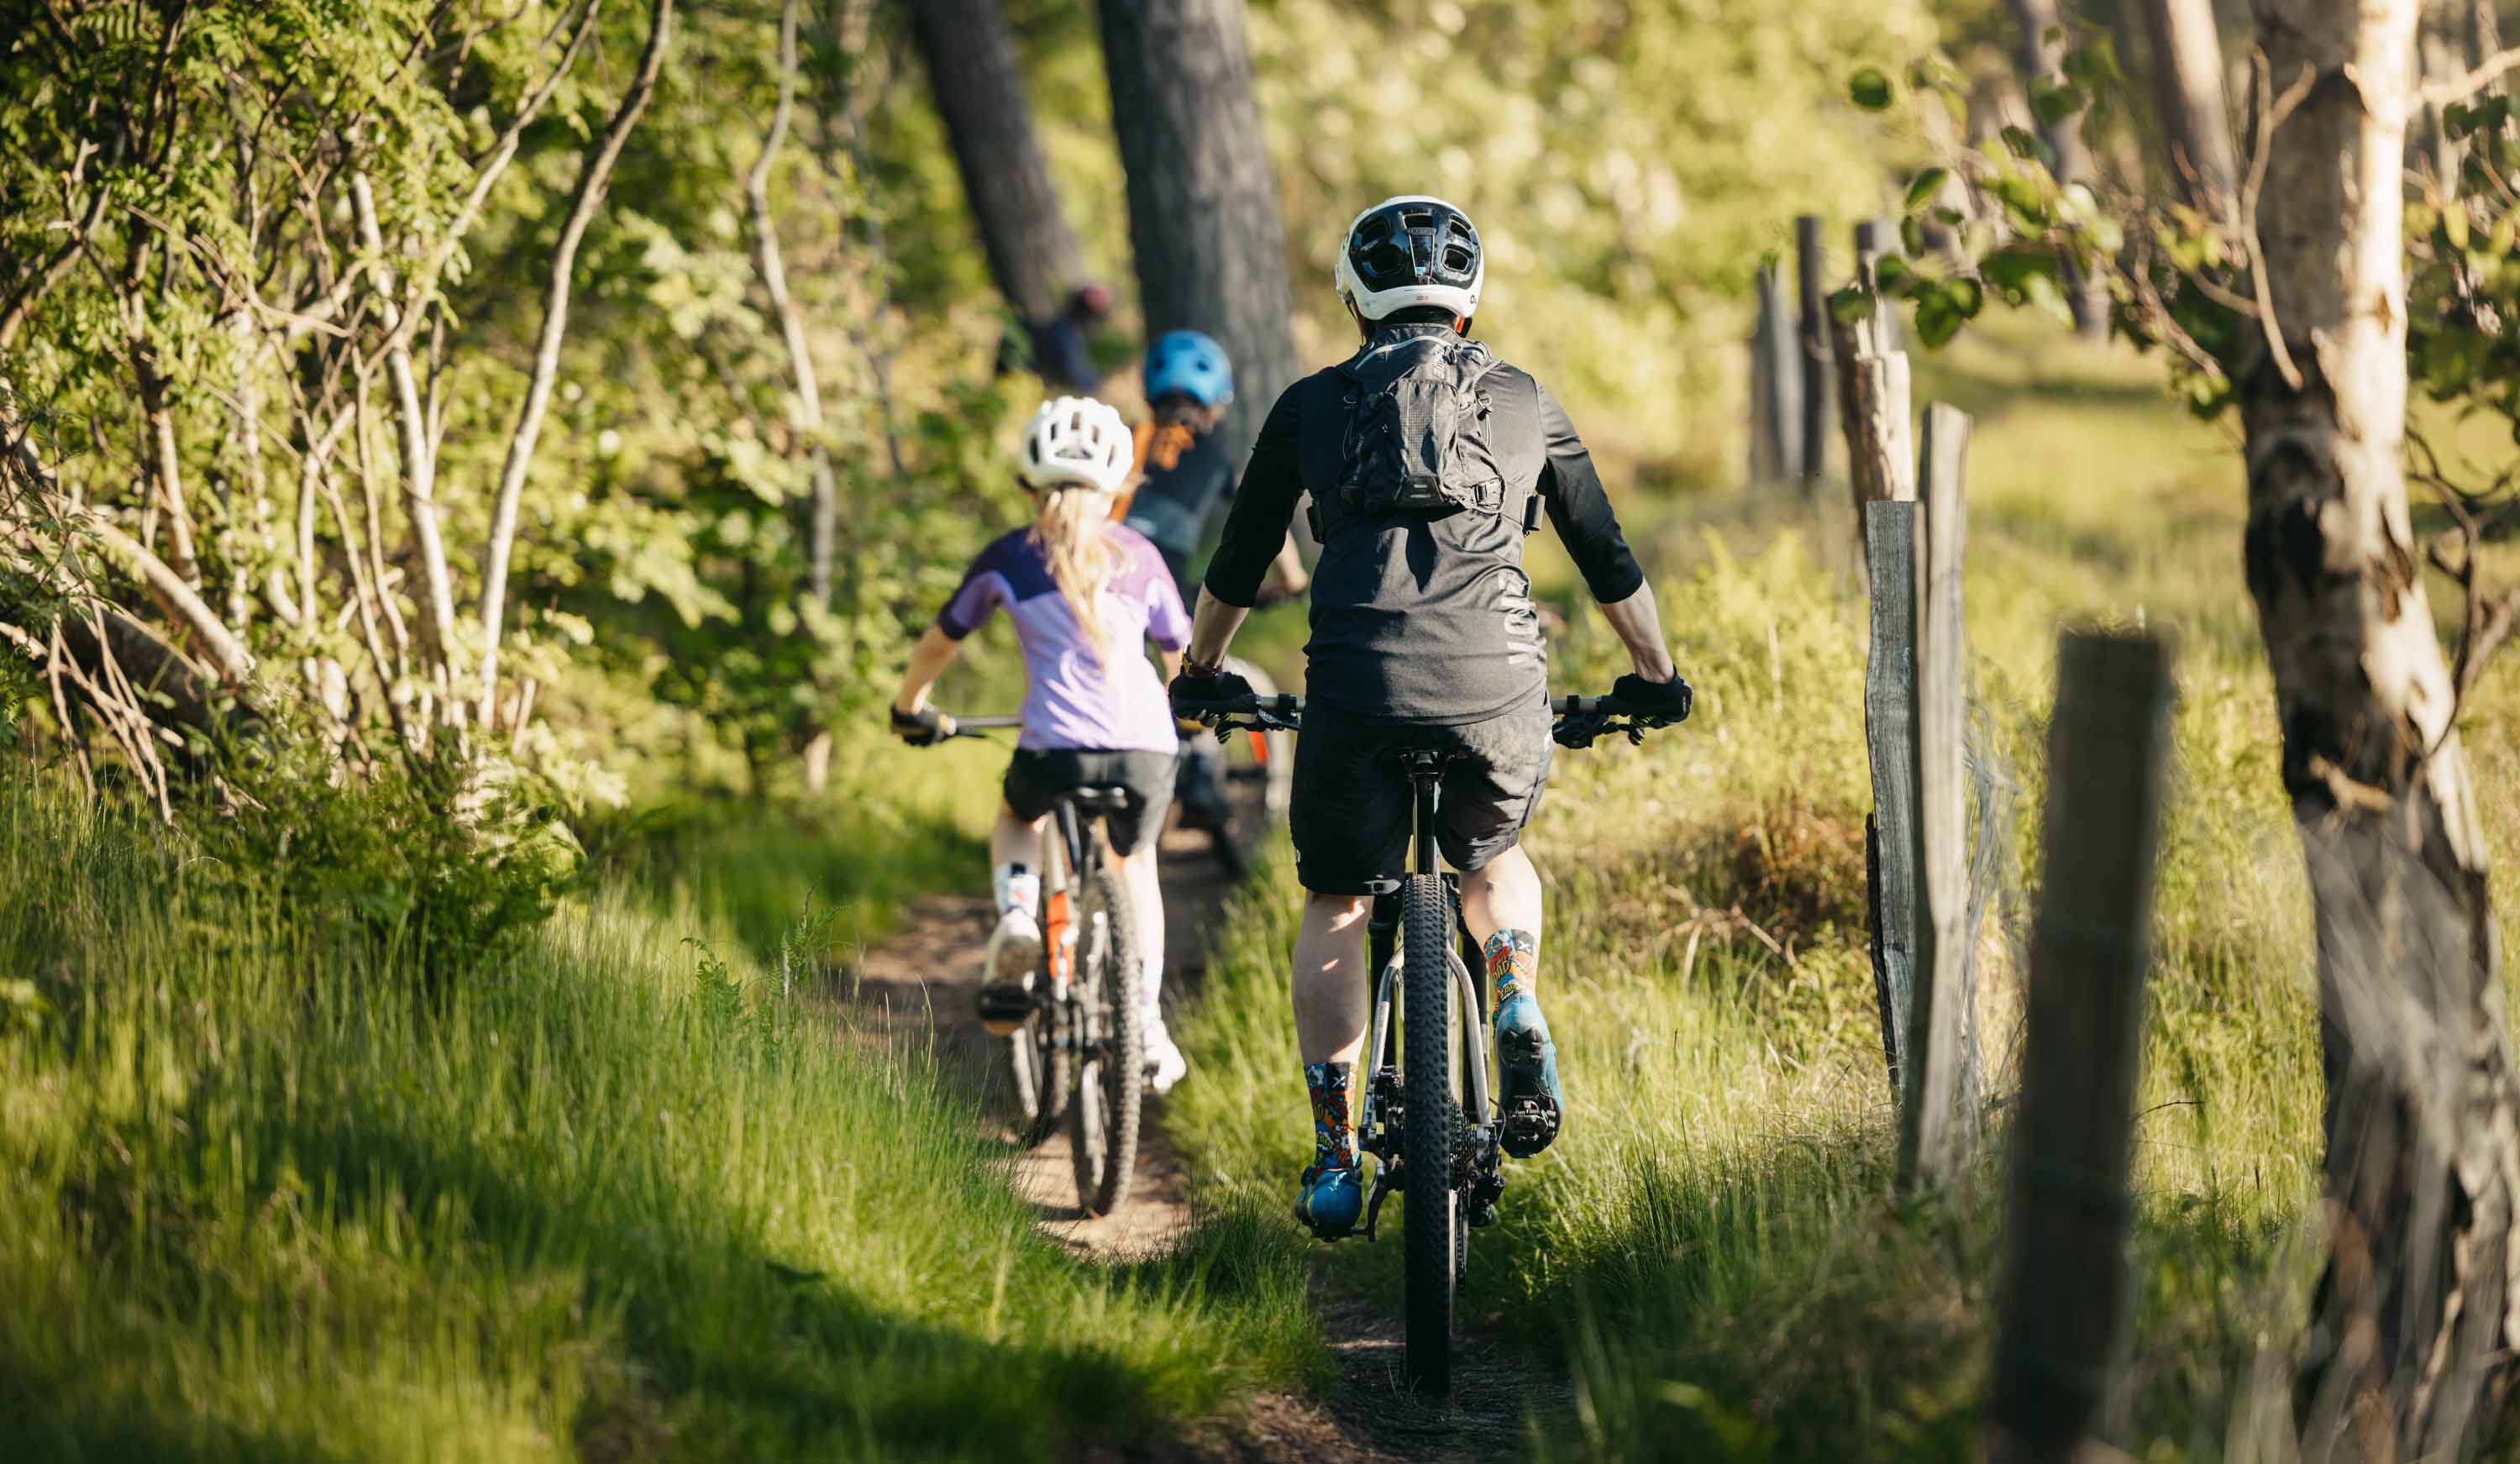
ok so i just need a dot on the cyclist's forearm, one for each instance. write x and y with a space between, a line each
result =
928 659
1211 630
1639 624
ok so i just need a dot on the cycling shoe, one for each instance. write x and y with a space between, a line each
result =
1014 945
1527 1066
1333 1201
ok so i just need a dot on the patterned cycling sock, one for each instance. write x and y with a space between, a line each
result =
1017 888
1334 1135
1514 963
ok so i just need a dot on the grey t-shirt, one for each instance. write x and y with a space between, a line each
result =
1418 620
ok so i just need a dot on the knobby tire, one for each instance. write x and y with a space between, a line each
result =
1428 1230
1111 1084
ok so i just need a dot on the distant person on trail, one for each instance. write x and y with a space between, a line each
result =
1427 460
1085 595
1060 349
1183 475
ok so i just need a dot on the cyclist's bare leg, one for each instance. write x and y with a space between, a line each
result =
1330 1030
1500 905
1330 978
1014 871
1012 841
1138 875
1503 896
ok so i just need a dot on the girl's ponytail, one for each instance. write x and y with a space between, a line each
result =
1070 533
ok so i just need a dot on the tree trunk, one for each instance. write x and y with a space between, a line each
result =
980 90
2043 58
2412 1352
2188 86
1202 199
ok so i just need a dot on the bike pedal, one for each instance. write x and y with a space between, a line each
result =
1529 1127
1003 1006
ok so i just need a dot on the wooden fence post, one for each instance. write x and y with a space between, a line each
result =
1937 1116
2073 1136
1873 240
1809 263
1890 728
1775 385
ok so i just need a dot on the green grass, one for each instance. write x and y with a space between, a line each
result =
272 1195
1712 1248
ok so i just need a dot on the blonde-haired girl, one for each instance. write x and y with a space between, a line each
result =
1086 595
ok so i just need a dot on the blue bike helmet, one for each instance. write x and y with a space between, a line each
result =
1191 364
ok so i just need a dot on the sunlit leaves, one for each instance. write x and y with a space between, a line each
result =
1870 88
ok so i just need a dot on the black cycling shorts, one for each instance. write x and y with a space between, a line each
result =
1036 778
1352 808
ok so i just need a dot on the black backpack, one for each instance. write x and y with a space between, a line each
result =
1418 429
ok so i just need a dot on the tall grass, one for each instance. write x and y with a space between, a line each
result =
270 1195
1712 1247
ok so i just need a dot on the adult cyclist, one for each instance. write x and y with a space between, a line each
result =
1085 595
1185 473
1427 460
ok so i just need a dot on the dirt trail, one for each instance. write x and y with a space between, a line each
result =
917 988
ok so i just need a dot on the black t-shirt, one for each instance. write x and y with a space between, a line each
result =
1418 620
1173 502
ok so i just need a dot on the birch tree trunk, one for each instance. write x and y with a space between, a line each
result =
1033 255
1203 222
2411 1355
2043 59
2188 86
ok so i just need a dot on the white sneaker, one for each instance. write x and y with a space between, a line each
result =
1165 1065
1014 947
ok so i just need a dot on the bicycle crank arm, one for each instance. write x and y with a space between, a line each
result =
1382 1187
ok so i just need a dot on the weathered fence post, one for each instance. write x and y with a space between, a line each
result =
1937 1117
1872 402
1873 240
1775 385
1809 263
1890 729
2072 1140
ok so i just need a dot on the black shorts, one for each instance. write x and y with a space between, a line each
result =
1036 778
1351 813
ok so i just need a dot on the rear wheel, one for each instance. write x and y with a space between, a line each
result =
1111 1083
1430 1227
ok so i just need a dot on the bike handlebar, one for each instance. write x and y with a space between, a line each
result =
1579 719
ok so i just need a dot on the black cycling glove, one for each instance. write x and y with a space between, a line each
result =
1659 701
1195 691
924 728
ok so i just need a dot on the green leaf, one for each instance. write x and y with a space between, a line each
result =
1870 88
2023 143
1936 321
2055 101
1922 188
1889 270
1911 235
1967 297
2455 226
1850 304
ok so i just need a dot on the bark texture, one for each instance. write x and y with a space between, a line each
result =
1203 221
2187 91
2411 1355
980 90
2043 59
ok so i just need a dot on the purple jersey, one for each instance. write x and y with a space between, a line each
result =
1073 700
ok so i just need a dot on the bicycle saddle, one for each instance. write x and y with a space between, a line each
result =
1099 799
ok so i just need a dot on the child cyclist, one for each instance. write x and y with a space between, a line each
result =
1185 475
1086 594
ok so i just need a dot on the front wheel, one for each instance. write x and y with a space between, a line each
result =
1111 1083
1430 1228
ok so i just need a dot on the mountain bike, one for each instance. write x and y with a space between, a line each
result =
1074 1035
1429 1114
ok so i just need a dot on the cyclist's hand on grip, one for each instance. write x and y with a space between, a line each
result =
924 728
1658 702
1195 693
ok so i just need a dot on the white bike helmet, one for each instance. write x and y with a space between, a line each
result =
1077 442
1412 250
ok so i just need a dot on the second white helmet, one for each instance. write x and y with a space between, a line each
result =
1077 442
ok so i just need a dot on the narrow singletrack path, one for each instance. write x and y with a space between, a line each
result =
917 989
